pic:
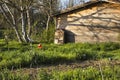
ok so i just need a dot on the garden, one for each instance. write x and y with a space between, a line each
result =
72 61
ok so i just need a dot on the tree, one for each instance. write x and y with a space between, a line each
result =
9 9
48 7
10 17
18 14
71 3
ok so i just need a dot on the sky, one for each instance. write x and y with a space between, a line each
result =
64 2
68 0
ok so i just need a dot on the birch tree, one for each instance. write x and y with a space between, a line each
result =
10 17
17 14
22 7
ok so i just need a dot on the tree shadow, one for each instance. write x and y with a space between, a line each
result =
8 49
99 23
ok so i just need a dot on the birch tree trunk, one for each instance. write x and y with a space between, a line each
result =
24 33
49 13
48 21
12 23
24 22
29 23
18 34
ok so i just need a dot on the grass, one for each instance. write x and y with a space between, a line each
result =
18 56
15 55
89 73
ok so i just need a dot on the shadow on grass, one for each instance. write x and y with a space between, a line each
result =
38 60
8 49
41 59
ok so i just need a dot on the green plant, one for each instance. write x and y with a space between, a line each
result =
47 36
25 55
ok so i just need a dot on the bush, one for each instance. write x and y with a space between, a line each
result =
48 36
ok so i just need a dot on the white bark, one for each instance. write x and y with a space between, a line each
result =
47 25
29 26
29 23
24 33
24 22
13 22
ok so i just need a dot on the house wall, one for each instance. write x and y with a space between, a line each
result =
97 23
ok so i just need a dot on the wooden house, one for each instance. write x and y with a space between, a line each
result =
94 21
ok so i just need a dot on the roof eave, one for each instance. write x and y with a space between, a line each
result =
81 6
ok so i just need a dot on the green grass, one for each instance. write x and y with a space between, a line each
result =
89 73
16 55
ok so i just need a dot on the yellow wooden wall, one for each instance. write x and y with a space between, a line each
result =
97 23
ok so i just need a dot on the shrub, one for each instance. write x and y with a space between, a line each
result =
47 36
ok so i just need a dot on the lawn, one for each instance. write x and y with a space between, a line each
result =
15 56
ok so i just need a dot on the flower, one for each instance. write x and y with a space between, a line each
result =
39 46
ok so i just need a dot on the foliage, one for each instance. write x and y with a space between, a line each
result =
23 18
47 36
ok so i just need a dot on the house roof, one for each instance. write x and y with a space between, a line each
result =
83 6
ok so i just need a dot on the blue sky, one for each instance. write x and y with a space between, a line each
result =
64 2
68 0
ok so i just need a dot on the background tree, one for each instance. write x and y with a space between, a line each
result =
10 18
31 18
18 15
47 8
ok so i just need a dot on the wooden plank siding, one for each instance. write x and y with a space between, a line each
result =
95 23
